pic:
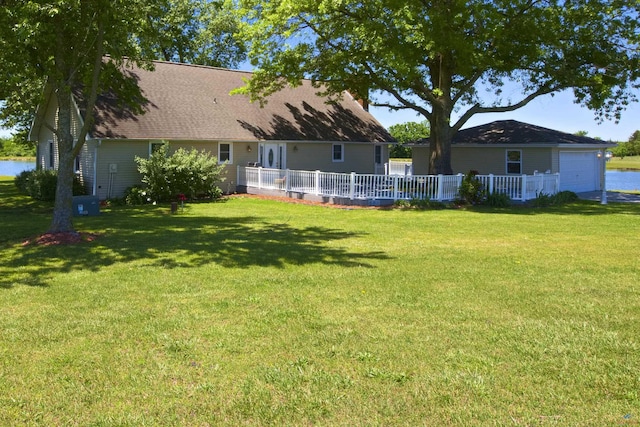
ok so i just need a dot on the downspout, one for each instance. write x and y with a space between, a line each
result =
95 168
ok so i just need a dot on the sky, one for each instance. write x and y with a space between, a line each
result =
558 112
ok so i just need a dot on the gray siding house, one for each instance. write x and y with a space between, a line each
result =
509 147
191 106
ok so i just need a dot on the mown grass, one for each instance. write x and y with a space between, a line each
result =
629 162
255 312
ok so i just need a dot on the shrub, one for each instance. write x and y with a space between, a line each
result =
135 195
192 173
471 191
22 180
498 200
41 184
564 197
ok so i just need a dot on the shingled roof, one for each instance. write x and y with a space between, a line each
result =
190 102
515 132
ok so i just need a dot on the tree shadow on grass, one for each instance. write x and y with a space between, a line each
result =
168 241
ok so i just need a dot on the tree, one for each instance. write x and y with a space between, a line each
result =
446 56
194 31
405 133
63 44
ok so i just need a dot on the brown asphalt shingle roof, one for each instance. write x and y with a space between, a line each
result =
515 132
190 102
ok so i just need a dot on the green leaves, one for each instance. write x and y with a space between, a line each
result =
435 57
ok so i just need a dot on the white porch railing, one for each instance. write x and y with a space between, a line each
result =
392 187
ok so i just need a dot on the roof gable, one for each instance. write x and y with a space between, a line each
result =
191 102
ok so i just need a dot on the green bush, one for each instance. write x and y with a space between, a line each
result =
543 200
41 184
419 204
21 181
136 195
564 197
192 173
498 200
471 191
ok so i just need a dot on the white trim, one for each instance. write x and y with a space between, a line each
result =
228 161
507 162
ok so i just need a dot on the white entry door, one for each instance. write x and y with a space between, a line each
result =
272 156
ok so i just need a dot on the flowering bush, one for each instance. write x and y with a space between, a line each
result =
191 174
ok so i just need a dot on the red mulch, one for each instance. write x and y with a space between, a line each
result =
68 238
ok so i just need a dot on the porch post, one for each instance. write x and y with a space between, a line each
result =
287 181
523 193
260 177
395 187
440 187
317 186
352 186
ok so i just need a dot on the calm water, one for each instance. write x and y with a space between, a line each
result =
623 180
13 167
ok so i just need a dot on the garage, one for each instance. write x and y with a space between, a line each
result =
579 171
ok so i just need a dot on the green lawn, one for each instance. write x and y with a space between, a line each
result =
629 162
256 312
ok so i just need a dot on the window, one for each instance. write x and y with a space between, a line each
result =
378 154
225 153
155 146
338 152
51 155
514 161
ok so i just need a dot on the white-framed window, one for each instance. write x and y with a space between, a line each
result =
337 153
514 161
155 146
378 154
225 153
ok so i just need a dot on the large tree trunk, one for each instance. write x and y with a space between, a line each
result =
63 206
440 144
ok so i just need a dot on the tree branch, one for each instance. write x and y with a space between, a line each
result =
93 91
477 109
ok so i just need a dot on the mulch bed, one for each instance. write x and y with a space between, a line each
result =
68 238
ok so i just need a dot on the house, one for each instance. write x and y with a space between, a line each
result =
191 106
509 147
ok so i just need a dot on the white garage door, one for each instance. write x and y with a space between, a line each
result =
579 171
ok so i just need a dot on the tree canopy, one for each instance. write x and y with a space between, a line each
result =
405 133
437 57
83 47
194 31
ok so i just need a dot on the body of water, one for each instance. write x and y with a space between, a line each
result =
14 167
623 180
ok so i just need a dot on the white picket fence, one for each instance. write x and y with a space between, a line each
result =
392 187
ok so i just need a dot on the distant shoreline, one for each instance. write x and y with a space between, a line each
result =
18 159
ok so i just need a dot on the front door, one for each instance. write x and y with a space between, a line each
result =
273 156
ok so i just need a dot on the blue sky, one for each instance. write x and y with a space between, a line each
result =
558 112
